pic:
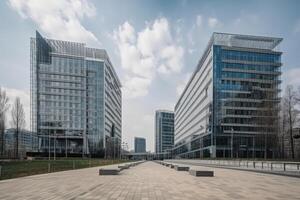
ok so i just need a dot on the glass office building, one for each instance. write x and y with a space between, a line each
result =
27 142
139 145
164 130
229 108
76 103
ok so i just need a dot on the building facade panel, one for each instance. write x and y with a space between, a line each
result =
164 130
139 145
231 110
70 101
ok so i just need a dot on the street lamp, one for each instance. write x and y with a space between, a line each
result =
232 142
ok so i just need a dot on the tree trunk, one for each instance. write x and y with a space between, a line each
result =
291 133
292 143
17 143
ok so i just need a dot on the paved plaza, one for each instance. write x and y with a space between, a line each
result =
151 181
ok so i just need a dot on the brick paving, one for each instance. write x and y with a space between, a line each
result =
149 181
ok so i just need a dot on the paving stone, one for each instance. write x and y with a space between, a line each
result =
150 181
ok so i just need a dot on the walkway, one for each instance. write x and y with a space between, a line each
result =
151 181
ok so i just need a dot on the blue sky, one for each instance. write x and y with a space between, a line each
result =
153 45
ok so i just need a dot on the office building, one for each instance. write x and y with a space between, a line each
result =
164 130
229 107
139 145
27 142
76 103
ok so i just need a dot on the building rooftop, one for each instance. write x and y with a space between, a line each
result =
78 49
246 41
139 138
166 111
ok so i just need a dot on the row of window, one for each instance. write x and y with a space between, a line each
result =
62 69
61 77
262 68
252 95
243 85
241 104
250 56
248 129
249 76
64 93
249 112
45 84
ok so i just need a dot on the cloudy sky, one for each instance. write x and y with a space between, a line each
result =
153 45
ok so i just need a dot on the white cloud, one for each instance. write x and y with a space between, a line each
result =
60 19
154 37
191 50
145 53
25 100
213 22
136 86
179 27
246 20
199 20
291 77
297 27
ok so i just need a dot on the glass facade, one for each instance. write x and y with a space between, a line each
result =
27 142
139 145
164 131
68 101
240 101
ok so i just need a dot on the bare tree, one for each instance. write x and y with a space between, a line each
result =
18 120
3 108
290 111
283 128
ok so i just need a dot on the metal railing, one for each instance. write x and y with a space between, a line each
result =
279 166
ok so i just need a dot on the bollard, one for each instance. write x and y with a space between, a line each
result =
283 166
253 164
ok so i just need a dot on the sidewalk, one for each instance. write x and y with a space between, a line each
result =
150 181
261 166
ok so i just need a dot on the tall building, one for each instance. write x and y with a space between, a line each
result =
229 107
76 103
164 130
139 145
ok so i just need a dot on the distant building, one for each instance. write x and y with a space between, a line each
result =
28 142
76 99
164 130
139 145
230 105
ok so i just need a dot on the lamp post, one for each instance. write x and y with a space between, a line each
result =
66 145
49 143
54 141
231 142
